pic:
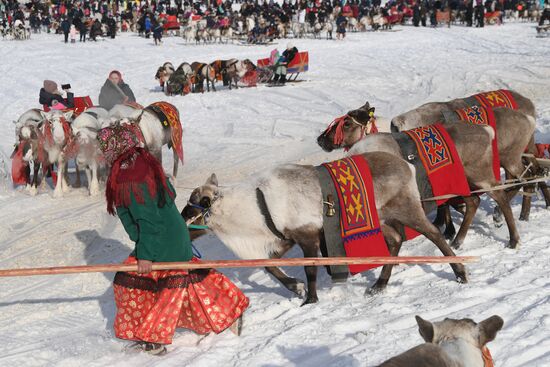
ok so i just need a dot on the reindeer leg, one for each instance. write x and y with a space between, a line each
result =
292 284
65 180
34 183
58 191
443 221
78 182
416 219
311 250
94 184
472 203
394 242
545 192
88 173
500 197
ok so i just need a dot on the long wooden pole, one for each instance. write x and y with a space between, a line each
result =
311 261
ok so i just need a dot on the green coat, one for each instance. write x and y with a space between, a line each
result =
160 234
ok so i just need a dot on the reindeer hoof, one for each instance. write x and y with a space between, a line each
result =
310 300
462 278
456 244
299 288
513 244
375 289
33 190
57 194
524 218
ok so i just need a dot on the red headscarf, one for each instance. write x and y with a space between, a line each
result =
117 73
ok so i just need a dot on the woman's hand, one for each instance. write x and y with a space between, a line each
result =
145 266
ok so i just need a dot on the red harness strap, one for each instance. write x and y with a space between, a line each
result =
487 358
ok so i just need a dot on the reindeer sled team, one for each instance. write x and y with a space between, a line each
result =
368 203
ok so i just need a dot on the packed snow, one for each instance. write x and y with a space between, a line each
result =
67 320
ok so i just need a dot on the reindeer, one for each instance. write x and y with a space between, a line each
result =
53 136
268 216
163 73
473 144
450 343
512 136
180 82
227 34
88 157
202 72
155 135
190 32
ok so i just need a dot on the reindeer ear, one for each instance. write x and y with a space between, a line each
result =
488 329
365 107
212 180
425 328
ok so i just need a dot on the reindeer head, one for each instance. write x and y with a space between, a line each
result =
467 330
347 130
201 199
57 121
28 141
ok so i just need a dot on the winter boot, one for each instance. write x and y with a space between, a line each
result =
282 81
275 79
154 349
237 326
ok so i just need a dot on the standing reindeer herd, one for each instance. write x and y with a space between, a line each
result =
266 217
190 78
284 207
45 139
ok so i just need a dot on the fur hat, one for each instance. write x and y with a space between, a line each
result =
116 141
289 46
50 86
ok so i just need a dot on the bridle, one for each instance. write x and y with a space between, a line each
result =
366 128
204 210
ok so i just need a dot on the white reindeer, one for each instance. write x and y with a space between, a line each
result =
56 125
85 128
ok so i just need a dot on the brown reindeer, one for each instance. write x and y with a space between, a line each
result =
201 73
267 217
511 137
474 148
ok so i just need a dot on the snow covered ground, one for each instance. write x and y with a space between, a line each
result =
67 320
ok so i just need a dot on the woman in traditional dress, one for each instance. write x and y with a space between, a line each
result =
152 304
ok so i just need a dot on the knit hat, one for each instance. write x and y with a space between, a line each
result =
117 140
50 86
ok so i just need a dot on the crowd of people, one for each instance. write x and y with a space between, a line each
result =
253 18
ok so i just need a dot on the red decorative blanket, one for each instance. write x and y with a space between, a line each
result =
480 115
439 157
359 224
169 116
497 98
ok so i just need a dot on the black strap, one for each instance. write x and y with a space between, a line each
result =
262 204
